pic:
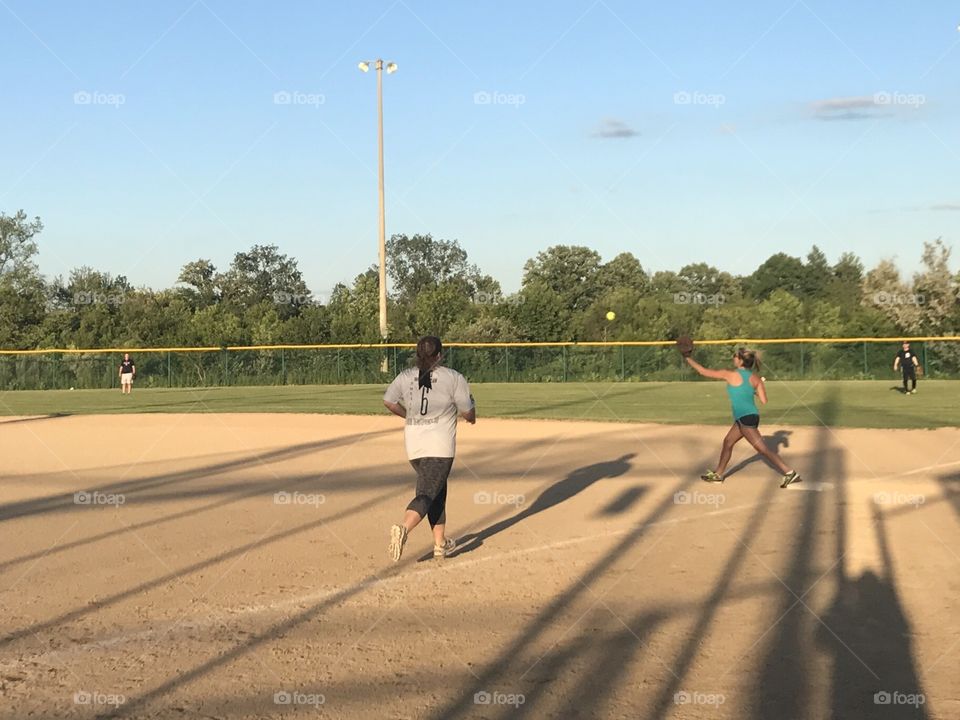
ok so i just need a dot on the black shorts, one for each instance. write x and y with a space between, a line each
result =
750 421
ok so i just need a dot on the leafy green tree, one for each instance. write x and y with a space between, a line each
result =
778 272
23 295
17 245
540 313
779 316
23 309
88 306
570 271
152 319
264 274
937 292
200 278
729 320
848 269
433 283
664 283
624 302
822 319
311 327
355 311
418 263
846 278
883 290
436 309
708 284
935 289
484 329
214 326
817 274
624 271
868 321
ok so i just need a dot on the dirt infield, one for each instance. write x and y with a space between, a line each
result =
234 566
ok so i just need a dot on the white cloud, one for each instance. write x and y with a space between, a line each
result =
613 128
861 107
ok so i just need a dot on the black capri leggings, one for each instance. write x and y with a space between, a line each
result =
431 499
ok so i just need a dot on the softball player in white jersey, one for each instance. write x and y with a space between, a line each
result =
430 398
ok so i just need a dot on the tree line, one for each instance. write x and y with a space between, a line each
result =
565 295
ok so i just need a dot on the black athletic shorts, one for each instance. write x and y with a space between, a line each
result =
750 421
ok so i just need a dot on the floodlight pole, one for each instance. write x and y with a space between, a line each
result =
383 224
391 67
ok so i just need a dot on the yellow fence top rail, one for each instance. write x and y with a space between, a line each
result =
373 346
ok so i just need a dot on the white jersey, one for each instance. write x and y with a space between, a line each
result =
431 429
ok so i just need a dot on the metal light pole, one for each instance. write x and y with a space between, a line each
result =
391 68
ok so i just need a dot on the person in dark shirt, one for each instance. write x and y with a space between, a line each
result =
906 360
127 371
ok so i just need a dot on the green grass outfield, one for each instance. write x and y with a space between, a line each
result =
868 404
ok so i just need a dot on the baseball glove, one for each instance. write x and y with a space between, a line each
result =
685 345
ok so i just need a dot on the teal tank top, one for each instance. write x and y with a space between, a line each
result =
741 396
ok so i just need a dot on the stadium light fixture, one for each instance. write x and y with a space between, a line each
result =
364 66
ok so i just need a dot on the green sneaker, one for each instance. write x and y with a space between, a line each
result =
711 477
791 477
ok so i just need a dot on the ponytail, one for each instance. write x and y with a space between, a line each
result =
429 348
749 358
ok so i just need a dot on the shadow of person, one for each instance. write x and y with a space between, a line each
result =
781 438
899 388
575 482
876 639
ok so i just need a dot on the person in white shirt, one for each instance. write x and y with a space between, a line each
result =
430 398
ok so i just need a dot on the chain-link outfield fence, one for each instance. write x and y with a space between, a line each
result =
783 359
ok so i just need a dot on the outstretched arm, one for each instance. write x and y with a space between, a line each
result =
707 372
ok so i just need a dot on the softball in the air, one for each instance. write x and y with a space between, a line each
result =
611 315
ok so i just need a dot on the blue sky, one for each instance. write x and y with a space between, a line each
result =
681 132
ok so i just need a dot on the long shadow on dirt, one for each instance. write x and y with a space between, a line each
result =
864 631
577 481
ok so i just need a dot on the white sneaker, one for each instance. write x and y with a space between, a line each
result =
441 551
398 538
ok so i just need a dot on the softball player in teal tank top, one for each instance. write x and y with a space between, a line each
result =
741 396
743 386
